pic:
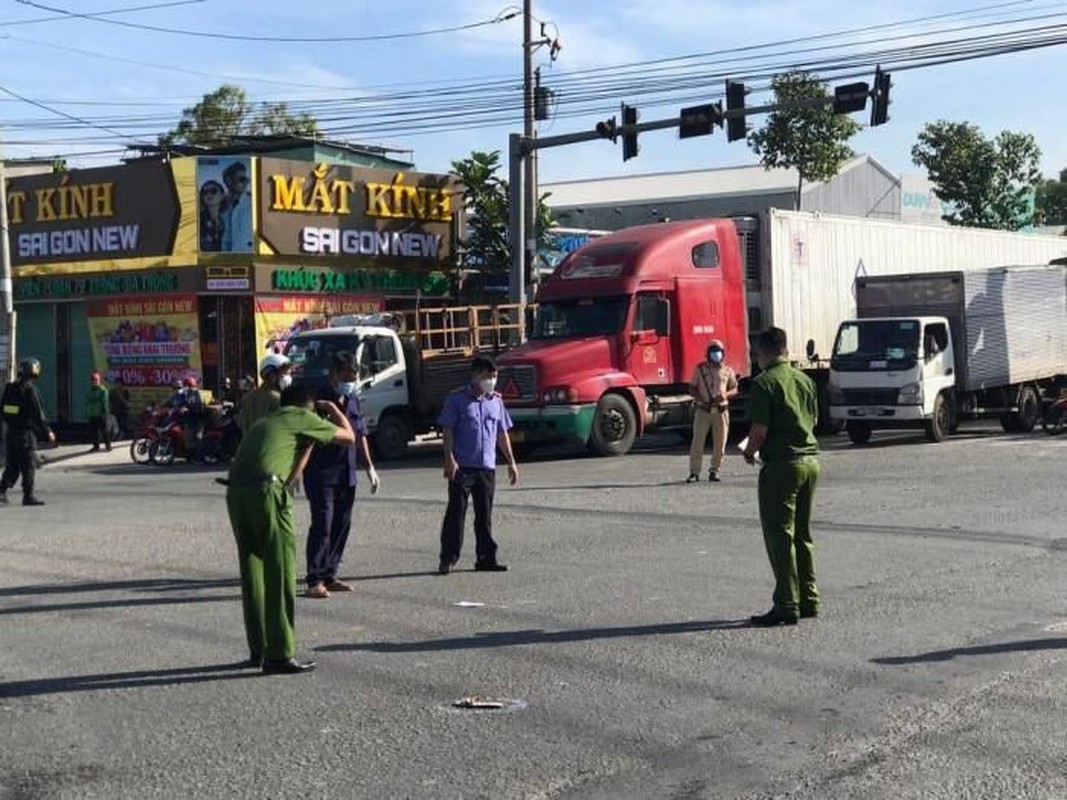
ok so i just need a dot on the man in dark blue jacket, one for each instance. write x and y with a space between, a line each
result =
330 483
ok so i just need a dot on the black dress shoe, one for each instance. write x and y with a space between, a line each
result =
810 612
772 619
253 662
287 666
446 565
490 566
32 501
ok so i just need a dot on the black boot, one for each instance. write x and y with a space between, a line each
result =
30 500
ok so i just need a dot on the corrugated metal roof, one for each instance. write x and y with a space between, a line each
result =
722 182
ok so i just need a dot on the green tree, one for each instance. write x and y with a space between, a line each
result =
811 139
985 183
487 245
226 113
1050 201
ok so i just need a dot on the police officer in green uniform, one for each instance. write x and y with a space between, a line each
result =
783 409
267 465
25 419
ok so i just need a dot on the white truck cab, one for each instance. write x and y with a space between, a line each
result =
888 372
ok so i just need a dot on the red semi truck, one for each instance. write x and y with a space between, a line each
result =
622 322
620 326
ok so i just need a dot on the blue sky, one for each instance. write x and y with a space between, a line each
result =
1020 91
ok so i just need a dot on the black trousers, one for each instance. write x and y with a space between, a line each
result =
480 485
100 432
21 460
331 522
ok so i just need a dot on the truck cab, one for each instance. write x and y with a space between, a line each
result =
892 372
621 324
378 349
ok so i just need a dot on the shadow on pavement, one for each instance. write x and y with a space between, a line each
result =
535 636
593 486
126 680
137 602
143 585
1022 646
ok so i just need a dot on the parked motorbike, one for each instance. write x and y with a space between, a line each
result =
145 432
221 436
217 443
1054 417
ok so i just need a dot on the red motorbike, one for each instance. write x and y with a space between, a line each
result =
216 444
145 432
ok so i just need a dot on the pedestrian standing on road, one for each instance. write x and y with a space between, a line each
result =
26 420
119 405
97 405
276 373
475 425
783 409
330 483
259 499
712 386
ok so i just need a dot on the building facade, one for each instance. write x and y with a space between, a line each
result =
159 268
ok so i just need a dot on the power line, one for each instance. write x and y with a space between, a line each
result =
95 14
503 16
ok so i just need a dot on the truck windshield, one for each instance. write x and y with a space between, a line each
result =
868 345
311 354
574 318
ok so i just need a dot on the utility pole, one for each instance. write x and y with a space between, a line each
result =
7 289
528 244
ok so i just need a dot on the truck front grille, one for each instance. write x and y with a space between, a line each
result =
870 397
517 383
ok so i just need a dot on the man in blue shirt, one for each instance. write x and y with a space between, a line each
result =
475 425
330 483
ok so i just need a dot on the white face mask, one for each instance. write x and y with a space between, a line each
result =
347 388
285 381
715 356
487 385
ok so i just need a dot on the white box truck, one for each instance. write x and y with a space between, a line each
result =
926 350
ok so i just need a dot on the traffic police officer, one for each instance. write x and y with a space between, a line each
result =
330 483
26 420
783 409
475 424
266 467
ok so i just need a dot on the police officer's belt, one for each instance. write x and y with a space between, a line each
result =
254 482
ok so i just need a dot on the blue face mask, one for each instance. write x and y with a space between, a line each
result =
715 356
347 388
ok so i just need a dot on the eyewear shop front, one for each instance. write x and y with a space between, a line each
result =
143 273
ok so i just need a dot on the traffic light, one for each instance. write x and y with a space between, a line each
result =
851 97
629 138
608 129
736 128
880 106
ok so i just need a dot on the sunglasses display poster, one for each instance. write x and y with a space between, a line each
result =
149 342
278 318
224 204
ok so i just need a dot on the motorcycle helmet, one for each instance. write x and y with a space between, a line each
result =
189 382
29 368
275 362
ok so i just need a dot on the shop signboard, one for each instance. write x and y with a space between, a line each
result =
279 317
102 214
359 281
83 286
361 215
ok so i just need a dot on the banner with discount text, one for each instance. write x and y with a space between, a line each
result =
278 318
147 342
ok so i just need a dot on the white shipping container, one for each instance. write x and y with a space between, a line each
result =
811 262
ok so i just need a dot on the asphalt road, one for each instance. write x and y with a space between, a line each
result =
616 642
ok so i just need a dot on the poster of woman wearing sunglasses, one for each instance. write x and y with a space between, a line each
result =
224 204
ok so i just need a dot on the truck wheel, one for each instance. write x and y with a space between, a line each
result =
1029 410
1054 420
1009 422
391 438
614 426
858 432
939 425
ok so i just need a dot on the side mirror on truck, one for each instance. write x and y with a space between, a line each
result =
809 348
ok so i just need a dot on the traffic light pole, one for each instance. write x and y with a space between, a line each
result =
520 149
